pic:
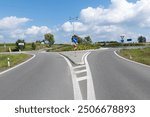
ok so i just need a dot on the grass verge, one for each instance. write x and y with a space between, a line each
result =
14 60
68 47
138 55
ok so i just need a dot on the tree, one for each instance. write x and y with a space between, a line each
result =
141 39
20 43
49 38
80 40
33 46
88 40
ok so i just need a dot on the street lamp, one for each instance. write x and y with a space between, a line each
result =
72 20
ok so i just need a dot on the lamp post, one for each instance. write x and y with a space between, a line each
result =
72 20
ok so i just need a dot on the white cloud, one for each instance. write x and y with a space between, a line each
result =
12 22
12 29
35 30
101 23
119 11
121 17
78 26
108 29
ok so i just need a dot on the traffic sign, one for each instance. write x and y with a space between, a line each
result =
21 44
129 39
122 41
75 40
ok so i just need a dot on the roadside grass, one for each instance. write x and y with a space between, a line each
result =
14 60
68 47
138 55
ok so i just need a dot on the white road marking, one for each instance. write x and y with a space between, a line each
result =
76 80
18 65
82 78
131 60
79 66
83 57
81 71
76 87
90 86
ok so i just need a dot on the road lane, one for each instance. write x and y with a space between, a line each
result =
47 76
117 79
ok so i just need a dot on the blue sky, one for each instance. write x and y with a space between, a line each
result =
46 12
100 19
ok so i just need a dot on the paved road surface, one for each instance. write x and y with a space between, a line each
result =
115 78
47 76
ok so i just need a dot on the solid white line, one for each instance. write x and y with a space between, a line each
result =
79 66
76 88
131 60
83 57
18 65
90 86
81 71
82 78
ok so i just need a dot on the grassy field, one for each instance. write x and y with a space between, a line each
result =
68 47
28 47
14 59
138 55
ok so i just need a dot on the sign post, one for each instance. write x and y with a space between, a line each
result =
21 45
122 39
75 42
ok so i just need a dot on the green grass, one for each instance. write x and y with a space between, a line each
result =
138 55
68 47
28 47
14 60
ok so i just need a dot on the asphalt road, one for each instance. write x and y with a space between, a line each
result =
46 77
117 79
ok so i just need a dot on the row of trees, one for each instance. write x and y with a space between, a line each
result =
141 39
85 40
48 39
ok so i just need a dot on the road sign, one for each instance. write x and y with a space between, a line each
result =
122 37
122 41
42 43
21 44
129 39
75 40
